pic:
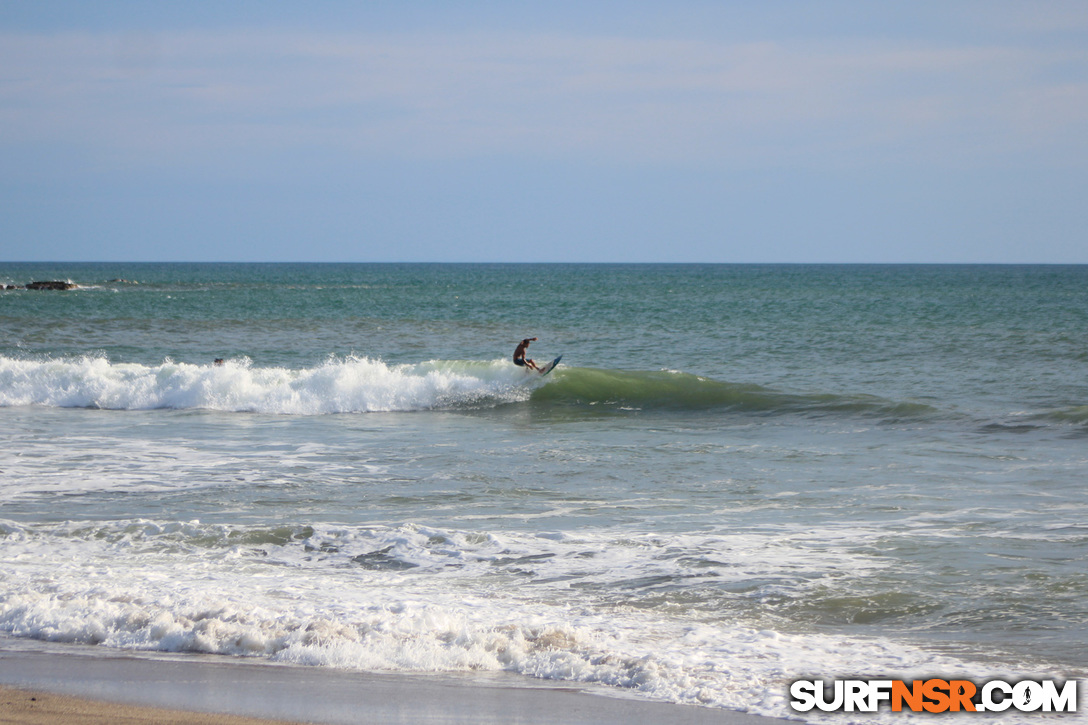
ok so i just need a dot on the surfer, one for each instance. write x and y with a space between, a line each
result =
519 355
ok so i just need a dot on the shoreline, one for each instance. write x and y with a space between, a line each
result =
143 688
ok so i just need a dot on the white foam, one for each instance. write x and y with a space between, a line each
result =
415 598
349 385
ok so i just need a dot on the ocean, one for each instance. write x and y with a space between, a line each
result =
739 475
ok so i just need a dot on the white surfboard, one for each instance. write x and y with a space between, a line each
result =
550 366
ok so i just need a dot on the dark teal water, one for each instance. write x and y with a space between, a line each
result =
738 476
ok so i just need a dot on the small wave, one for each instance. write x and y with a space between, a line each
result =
350 385
672 390
1077 415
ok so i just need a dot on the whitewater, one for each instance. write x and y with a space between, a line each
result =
355 385
738 477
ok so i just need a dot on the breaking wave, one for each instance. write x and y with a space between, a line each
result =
351 385
547 605
361 385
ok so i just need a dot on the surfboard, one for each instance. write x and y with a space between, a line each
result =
550 366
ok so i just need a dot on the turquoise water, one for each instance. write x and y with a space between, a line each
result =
740 475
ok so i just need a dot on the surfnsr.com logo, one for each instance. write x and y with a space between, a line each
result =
934 695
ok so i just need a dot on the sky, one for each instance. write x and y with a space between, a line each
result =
792 131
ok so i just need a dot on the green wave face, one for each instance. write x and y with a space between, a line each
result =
1077 415
669 390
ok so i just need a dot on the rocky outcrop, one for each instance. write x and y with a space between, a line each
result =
52 285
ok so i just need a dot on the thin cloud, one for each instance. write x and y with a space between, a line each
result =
172 97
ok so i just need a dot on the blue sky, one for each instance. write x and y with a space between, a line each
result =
779 131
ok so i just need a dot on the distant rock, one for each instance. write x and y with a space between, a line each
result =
52 285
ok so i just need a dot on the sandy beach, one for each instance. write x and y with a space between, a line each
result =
34 707
74 684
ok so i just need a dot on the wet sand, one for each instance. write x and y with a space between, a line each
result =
115 687
34 707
